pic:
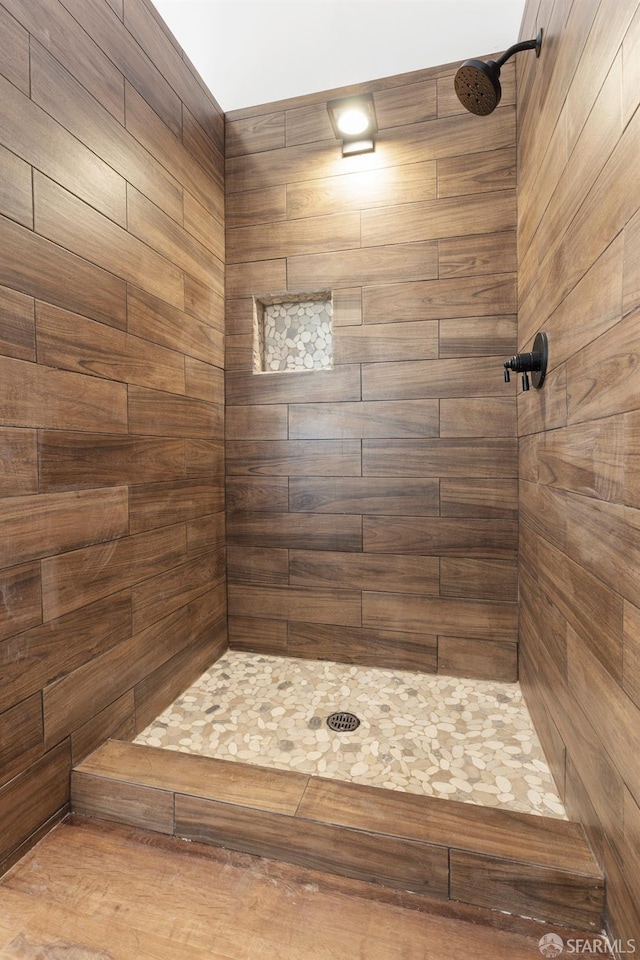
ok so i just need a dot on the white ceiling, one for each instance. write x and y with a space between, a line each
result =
254 51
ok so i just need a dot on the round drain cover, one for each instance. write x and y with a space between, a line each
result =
343 722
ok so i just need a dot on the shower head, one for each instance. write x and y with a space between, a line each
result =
477 82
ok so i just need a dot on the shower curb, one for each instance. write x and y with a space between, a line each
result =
527 865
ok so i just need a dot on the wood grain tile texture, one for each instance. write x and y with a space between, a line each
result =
111 395
534 867
362 483
578 250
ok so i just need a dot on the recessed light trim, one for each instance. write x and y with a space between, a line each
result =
354 122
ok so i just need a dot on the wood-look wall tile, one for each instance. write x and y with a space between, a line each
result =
630 268
265 132
67 341
170 240
144 23
76 50
162 686
73 580
392 186
493 417
416 614
208 152
71 701
18 462
307 123
46 524
257 206
541 413
433 219
366 495
16 195
257 565
387 342
333 458
489 458
35 137
153 413
247 279
266 422
204 227
592 390
23 807
631 652
340 231
77 227
364 646
342 383
364 419
15 63
396 574
18 333
21 737
312 604
389 263
155 505
36 396
488 253
478 336
479 498
153 319
438 379
203 381
205 534
35 266
205 301
44 653
65 98
439 536
258 635
477 173
479 579
159 596
440 299
406 104
302 531
478 659
147 127
347 307
117 721
586 458
70 461
22 604
204 458
123 51
256 494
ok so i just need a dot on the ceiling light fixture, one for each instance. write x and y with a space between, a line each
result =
354 122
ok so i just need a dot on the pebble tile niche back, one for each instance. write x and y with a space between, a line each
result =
292 332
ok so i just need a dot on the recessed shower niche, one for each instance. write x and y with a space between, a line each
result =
292 332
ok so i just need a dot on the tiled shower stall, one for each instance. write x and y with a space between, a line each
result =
391 504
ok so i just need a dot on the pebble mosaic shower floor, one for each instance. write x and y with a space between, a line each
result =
468 740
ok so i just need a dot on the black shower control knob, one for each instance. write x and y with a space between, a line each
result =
525 381
507 375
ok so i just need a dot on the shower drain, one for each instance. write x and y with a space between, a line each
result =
343 722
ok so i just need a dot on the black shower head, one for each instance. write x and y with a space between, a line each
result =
478 86
477 82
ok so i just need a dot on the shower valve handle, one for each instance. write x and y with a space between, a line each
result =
534 363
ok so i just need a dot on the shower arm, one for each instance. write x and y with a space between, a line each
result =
517 47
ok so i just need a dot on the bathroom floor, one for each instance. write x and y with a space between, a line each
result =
447 737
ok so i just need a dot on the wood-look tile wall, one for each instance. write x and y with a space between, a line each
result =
111 388
372 509
579 256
